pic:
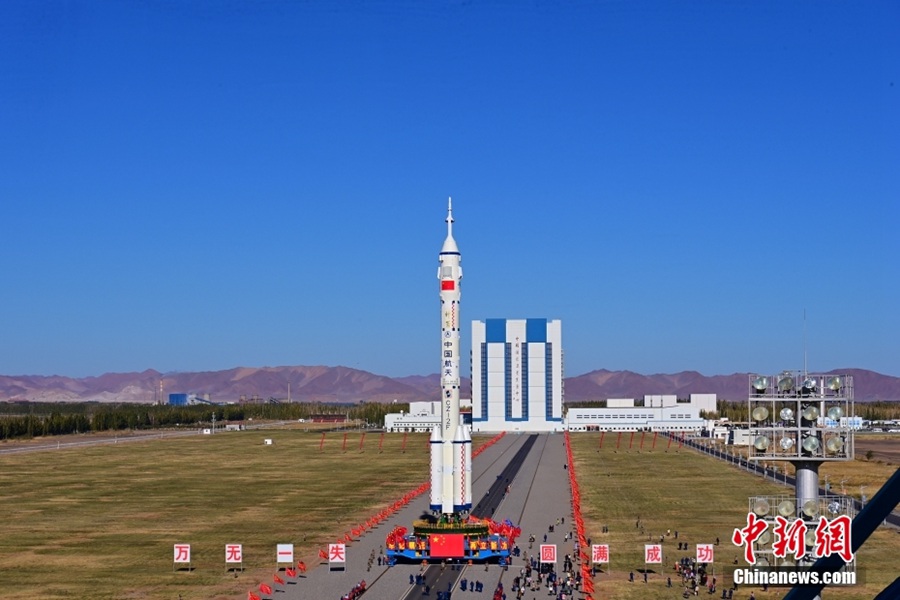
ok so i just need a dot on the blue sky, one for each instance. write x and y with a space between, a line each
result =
192 186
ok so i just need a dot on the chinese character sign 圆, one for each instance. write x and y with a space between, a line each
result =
548 553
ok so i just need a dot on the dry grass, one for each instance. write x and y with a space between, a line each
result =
101 521
700 497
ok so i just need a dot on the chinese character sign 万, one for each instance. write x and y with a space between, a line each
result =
337 553
182 553
600 553
653 553
548 553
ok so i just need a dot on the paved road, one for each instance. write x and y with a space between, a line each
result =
539 495
94 441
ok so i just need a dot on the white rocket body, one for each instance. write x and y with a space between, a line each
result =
451 484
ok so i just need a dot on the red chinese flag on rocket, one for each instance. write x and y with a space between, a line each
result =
448 284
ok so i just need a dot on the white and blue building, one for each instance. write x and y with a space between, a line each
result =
517 375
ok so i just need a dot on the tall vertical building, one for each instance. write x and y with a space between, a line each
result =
517 375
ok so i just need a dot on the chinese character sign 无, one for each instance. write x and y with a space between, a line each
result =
233 553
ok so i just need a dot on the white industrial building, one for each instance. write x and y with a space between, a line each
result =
656 413
422 416
517 375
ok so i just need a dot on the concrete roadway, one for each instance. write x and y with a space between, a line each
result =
539 495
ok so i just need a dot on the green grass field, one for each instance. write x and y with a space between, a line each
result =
100 522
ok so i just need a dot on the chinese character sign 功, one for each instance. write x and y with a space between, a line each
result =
705 553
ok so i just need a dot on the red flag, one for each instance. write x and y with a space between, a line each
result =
252 596
265 588
302 566
323 554
279 580
290 572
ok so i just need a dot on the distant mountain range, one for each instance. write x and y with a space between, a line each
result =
342 384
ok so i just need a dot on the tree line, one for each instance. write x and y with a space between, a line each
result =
25 420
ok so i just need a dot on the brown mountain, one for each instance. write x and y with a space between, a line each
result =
342 384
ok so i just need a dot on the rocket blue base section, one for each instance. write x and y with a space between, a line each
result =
435 507
462 507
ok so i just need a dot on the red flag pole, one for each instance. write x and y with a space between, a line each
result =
655 433
344 448
380 442
669 445
322 441
642 440
403 448
361 440
602 433
631 440
681 441
618 439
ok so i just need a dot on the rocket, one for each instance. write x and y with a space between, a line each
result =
451 443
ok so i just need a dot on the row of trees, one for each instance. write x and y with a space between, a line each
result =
27 420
